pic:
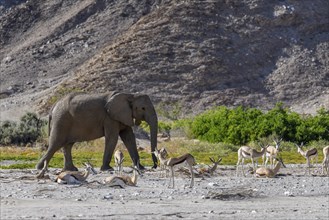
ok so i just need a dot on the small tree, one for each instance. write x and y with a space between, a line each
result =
28 130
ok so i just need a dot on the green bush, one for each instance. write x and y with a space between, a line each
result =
28 130
7 130
164 127
243 125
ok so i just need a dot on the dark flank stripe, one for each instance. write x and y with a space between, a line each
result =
245 152
312 152
181 159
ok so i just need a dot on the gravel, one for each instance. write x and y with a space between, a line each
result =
291 195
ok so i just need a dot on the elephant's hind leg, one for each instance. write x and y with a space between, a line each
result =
49 154
68 162
39 165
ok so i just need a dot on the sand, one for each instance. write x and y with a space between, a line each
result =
291 195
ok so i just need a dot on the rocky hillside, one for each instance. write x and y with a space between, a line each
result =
187 54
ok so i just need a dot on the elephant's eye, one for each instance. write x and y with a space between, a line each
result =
143 108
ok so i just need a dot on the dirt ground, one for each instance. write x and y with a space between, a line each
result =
292 195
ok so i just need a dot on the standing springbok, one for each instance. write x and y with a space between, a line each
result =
270 173
271 153
309 154
246 152
75 177
163 168
325 163
118 158
171 162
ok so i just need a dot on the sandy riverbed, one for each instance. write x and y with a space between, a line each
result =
292 195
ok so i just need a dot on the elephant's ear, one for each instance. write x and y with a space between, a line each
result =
119 108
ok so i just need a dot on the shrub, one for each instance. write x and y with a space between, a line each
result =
243 125
28 130
6 132
164 127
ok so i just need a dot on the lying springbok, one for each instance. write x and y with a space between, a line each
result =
75 177
270 173
309 154
171 162
325 163
118 159
209 170
212 169
246 152
122 180
271 153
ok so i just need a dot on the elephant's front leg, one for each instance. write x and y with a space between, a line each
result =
68 162
128 137
110 144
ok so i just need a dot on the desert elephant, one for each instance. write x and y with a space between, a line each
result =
84 117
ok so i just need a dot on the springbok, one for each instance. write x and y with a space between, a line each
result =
212 169
246 152
122 180
171 162
271 153
209 170
163 168
325 163
309 154
270 173
118 159
75 177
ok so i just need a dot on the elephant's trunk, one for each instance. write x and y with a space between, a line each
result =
153 123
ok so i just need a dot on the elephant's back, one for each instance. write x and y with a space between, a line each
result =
79 101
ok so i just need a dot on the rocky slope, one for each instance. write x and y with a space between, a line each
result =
190 55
